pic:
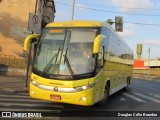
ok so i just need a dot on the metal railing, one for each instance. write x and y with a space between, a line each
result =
11 65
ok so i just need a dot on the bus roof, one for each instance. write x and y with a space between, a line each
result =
78 23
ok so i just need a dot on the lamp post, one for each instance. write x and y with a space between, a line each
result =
35 10
73 2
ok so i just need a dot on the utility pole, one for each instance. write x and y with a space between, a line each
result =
148 60
30 49
35 10
73 2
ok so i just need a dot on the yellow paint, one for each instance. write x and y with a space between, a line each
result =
27 41
71 98
97 43
76 23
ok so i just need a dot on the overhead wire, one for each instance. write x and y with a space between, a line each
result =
143 23
100 10
121 7
114 6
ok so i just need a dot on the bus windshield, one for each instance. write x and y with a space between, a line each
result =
65 51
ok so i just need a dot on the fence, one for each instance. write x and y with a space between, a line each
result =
13 61
12 65
151 73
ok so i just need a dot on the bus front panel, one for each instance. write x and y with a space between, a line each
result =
79 95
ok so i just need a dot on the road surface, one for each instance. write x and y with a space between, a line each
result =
143 95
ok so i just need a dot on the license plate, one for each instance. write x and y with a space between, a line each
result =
56 97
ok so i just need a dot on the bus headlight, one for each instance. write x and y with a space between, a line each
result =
34 83
80 88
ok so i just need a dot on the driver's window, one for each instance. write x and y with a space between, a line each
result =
101 57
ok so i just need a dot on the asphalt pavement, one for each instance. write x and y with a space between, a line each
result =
142 96
10 85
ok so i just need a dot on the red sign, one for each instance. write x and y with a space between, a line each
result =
56 97
34 23
35 19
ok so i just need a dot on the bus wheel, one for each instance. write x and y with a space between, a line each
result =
127 86
105 98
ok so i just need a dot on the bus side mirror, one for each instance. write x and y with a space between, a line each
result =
28 40
101 55
96 44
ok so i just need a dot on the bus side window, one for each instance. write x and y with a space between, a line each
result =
101 57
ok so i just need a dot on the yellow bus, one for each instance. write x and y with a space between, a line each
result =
79 62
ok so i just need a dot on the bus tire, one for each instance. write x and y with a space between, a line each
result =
105 99
127 86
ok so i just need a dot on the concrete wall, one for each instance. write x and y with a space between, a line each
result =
13 25
152 63
14 16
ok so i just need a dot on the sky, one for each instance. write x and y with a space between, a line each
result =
141 19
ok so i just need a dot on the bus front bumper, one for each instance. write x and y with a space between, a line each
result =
85 97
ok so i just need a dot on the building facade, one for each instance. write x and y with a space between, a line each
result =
14 15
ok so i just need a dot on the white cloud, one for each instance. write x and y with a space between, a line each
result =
81 5
154 42
127 33
132 4
101 1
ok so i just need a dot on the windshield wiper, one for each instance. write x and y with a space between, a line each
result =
48 66
68 64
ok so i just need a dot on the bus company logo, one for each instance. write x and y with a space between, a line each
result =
6 114
55 83
55 89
